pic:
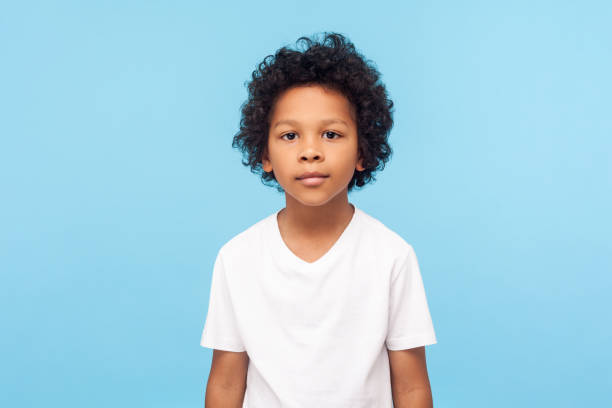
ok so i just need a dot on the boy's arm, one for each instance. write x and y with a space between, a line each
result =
227 379
409 380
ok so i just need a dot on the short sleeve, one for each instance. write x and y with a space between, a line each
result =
221 329
410 323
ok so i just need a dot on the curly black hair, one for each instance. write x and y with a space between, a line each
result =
334 64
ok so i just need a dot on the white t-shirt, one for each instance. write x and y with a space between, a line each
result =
317 333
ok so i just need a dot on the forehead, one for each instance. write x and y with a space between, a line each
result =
306 102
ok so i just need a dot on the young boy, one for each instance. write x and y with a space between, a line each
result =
318 304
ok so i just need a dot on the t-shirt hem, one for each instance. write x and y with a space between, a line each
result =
402 343
222 346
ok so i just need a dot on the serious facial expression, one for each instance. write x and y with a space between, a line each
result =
312 129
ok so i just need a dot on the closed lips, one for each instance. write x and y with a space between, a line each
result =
309 175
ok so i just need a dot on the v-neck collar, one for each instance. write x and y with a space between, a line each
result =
292 259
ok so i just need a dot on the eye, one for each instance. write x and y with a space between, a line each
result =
333 133
287 134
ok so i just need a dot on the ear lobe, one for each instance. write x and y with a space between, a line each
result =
265 163
359 165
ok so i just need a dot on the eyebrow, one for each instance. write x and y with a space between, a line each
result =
323 122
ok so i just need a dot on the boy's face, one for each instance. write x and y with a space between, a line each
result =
312 129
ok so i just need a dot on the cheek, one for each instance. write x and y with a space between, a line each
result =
350 155
274 155
284 169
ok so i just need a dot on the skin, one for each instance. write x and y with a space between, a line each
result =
227 379
314 217
409 379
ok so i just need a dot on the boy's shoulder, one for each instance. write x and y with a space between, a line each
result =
248 238
383 237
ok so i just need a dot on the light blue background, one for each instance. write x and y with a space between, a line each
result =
119 184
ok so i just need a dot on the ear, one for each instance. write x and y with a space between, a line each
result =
265 162
359 165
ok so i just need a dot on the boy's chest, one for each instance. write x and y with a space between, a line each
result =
348 298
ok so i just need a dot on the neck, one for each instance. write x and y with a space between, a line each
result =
308 219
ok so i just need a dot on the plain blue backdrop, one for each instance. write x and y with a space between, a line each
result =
119 184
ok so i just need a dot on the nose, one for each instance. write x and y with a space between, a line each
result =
311 151
311 154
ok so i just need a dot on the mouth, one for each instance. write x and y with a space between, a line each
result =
310 174
312 180
307 177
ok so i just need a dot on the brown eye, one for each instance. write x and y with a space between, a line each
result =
333 133
287 134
